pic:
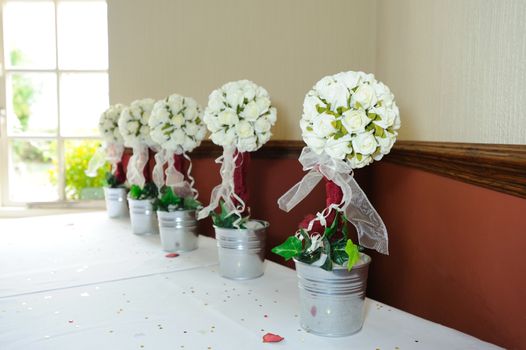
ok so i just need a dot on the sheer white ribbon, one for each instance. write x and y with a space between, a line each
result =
226 189
355 205
174 178
111 152
136 165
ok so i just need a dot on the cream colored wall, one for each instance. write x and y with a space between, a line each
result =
192 47
457 68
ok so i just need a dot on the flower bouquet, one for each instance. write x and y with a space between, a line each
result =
239 115
349 120
133 126
111 151
176 126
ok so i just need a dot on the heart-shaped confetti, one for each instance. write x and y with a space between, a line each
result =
272 338
172 255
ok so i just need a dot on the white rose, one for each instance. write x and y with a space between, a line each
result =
356 164
262 125
309 106
211 122
234 97
272 116
261 92
178 120
228 117
145 130
387 116
133 127
396 124
191 129
339 148
349 79
336 94
189 144
250 111
364 143
263 104
354 120
178 136
244 129
264 137
365 96
216 100
317 144
201 132
218 137
247 144
249 91
304 124
386 143
322 125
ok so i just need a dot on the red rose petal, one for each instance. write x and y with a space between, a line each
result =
272 338
172 255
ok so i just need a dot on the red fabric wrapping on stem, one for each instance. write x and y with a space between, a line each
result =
240 176
120 172
333 195
179 163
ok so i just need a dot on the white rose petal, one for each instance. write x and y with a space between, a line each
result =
250 111
262 125
322 125
339 148
244 129
228 117
356 164
247 144
317 144
365 96
364 143
355 120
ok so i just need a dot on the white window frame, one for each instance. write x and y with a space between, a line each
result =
62 202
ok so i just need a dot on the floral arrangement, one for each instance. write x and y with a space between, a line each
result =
169 201
239 116
349 120
135 131
175 124
112 148
350 116
133 123
149 191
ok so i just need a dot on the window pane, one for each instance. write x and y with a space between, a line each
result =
33 171
78 184
82 35
31 103
29 34
83 97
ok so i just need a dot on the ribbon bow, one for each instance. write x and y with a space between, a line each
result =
174 178
226 189
111 152
355 205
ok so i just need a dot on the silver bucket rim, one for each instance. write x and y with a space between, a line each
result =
364 263
265 223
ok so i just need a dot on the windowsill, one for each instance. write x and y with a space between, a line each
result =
22 212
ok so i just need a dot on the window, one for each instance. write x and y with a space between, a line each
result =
55 74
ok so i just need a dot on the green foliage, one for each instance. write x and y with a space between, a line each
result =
338 249
149 191
112 181
77 156
225 219
169 201
23 92
291 248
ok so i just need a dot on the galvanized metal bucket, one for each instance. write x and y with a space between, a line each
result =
142 216
116 205
332 302
178 230
242 251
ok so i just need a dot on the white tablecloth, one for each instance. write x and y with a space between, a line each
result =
130 296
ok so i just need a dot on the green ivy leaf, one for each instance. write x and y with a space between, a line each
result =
191 203
327 265
338 254
290 248
330 231
353 254
310 257
135 192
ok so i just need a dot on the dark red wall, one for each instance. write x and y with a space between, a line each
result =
457 251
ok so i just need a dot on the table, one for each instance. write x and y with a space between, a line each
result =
84 281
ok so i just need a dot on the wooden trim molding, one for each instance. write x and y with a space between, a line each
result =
498 167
